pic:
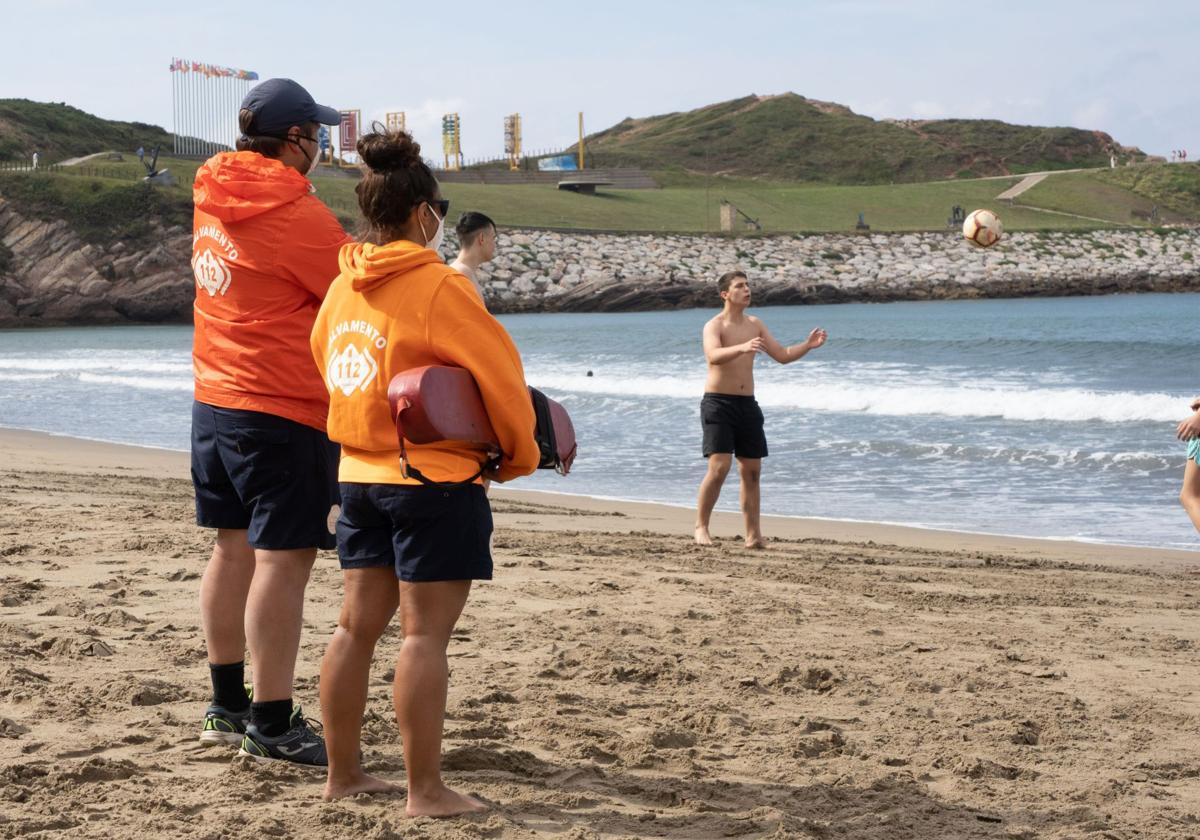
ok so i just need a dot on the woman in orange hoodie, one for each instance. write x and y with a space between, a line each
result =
403 543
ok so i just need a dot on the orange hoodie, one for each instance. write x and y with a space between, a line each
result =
264 251
395 307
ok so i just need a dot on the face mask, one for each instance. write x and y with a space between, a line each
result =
313 160
434 244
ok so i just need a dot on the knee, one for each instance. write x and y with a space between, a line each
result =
718 467
749 474
232 547
364 629
425 644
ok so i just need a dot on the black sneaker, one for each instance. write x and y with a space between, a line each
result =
222 726
299 745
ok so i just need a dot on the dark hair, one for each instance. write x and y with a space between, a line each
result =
267 145
394 181
726 279
470 225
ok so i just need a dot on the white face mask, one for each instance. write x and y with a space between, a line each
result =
312 164
316 155
434 244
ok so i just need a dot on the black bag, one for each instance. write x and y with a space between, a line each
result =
554 433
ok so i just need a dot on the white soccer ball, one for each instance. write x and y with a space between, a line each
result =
982 228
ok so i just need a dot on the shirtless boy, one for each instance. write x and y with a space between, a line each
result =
729 414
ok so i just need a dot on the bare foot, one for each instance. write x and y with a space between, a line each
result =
702 536
443 803
757 542
362 783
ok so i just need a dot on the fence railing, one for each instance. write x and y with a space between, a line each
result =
84 170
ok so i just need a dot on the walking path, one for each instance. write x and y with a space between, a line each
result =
1076 216
78 160
1026 183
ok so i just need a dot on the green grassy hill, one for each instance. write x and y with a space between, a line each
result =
106 202
58 131
1175 186
789 137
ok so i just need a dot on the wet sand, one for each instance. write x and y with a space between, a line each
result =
615 680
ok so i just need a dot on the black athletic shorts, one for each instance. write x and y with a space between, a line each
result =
732 424
270 476
423 533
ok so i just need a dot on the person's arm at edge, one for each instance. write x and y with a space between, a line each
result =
460 331
1189 427
786 355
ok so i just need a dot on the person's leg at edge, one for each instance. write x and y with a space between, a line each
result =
1189 496
750 470
428 613
370 601
223 592
274 616
710 490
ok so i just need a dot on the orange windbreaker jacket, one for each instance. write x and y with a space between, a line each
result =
264 251
395 307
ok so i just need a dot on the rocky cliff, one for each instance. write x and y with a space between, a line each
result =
49 275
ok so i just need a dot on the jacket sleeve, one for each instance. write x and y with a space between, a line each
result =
461 332
308 251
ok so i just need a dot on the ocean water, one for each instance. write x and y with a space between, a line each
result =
1041 417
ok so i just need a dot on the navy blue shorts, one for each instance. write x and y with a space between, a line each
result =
270 476
423 533
732 424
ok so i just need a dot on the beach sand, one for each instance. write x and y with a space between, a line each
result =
615 680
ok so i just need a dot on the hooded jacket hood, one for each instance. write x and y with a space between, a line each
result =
235 186
369 265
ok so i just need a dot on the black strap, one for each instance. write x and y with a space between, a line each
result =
419 476
407 469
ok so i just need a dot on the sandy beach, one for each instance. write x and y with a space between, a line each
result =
615 680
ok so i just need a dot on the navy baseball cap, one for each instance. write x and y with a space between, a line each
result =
279 104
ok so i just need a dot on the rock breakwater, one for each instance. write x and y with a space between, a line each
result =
49 275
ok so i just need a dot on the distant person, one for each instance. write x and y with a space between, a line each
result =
729 414
141 153
35 159
476 245
1188 431
405 542
265 473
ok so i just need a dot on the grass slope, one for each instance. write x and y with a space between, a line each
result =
58 131
107 202
781 208
1175 186
789 137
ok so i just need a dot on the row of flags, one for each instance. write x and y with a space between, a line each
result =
180 65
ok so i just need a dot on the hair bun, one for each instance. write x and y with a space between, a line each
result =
384 151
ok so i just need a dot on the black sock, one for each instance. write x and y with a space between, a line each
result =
271 718
229 686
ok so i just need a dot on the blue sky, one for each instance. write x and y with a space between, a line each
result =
1129 69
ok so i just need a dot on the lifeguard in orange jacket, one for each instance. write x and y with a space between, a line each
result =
404 544
264 253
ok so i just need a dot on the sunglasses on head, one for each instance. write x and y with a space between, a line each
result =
442 205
